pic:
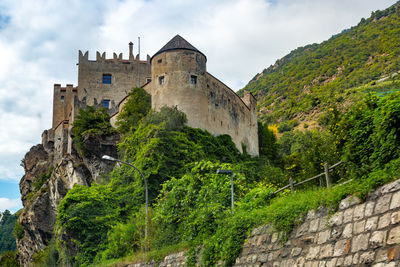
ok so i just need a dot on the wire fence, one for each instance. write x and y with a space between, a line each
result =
327 169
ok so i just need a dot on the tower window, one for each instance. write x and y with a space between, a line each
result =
148 80
106 78
161 79
159 61
62 98
106 103
193 79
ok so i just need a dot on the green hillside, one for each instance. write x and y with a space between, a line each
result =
311 79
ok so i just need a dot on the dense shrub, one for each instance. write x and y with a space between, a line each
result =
8 259
136 107
369 134
90 120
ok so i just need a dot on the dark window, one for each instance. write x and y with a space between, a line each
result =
62 98
148 80
107 78
161 79
193 79
106 103
159 61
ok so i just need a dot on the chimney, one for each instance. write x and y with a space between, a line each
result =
130 50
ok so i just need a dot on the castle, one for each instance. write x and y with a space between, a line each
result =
175 76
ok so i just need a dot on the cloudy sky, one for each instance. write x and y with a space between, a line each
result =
39 43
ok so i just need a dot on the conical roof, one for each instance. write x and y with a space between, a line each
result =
177 43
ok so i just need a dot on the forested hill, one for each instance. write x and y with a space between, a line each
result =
304 84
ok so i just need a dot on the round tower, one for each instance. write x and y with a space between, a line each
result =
179 80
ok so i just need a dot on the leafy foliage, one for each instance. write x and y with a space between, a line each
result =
18 231
136 107
334 72
267 142
303 154
369 135
100 217
8 259
91 120
48 257
39 181
7 240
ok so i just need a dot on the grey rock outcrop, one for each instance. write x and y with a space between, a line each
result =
40 203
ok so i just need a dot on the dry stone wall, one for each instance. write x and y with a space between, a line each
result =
358 234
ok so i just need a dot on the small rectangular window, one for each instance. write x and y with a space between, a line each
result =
106 103
62 98
193 79
106 78
161 79
159 61
148 80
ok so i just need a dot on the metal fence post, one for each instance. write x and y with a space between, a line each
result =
328 179
291 185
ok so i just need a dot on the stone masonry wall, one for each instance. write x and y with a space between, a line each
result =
176 259
358 234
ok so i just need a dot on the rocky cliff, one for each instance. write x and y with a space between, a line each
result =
47 181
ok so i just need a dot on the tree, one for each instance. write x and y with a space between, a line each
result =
136 107
267 144
7 240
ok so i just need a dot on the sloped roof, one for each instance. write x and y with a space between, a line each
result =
177 43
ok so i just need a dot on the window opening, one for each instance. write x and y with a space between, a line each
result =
161 80
106 103
62 98
106 78
159 61
148 80
193 79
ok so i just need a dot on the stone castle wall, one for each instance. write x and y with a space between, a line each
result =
124 76
358 234
63 101
208 104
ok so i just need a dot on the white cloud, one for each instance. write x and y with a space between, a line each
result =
39 45
9 204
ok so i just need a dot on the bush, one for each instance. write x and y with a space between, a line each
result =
18 231
91 120
48 257
42 179
8 259
136 107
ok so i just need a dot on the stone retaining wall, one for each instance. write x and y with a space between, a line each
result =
172 260
358 234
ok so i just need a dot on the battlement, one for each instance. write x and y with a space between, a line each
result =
68 87
117 58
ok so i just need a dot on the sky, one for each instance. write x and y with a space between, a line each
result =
40 40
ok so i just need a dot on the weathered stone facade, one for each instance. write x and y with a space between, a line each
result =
175 76
180 79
